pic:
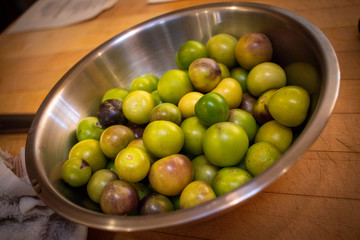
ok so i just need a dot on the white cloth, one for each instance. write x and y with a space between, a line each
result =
47 14
23 215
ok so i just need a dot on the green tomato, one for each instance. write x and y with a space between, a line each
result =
195 193
240 74
304 75
175 201
119 198
89 128
225 144
265 76
277 134
111 166
193 134
76 172
166 111
188 52
261 110
242 164
138 142
252 49
163 138
212 108
173 85
170 175
90 151
114 139
205 74
156 96
221 48
248 103
132 164
142 189
178 63
143 83
98 181
225 73
203 169
245 120
289 105
115 93
155 203
228 179
260 156
152 77
137 106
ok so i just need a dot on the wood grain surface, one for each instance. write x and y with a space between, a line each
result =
319 198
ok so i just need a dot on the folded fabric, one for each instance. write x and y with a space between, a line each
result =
22 214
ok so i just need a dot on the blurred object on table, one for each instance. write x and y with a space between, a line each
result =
15 123
46 14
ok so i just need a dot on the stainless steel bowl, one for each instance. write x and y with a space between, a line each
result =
150 48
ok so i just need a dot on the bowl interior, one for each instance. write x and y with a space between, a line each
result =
150 48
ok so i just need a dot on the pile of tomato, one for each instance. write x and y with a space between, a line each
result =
197 132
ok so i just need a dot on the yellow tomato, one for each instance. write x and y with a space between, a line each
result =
231 90
132 164
187 104
195 193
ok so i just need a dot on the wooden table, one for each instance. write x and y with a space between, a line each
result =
319 198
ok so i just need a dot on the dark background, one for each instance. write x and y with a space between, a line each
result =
10 10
